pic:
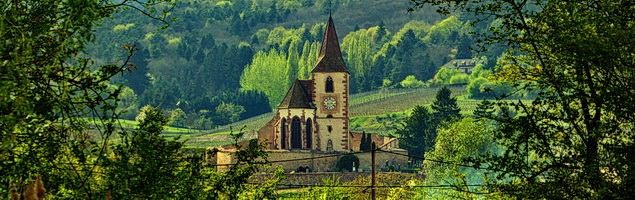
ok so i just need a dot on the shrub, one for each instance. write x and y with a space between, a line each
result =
411 82
474 87
459 78
346 163
445 74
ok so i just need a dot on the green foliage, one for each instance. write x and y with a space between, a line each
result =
445 75
127 106
347 163
419 132
233 183
177 118
560 145
268 73
228 112
329 193
457 143
145 165
445 106
459 78
386 83
411 82
442 32
47 85
358 48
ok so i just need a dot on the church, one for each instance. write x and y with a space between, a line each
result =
311 124
314 113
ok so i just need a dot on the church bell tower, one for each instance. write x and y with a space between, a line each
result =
330 93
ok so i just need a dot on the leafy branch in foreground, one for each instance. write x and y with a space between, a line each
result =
574 140
47 89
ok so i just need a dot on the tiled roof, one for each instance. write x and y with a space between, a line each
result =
330 59
298 95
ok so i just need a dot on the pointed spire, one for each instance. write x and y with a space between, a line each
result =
330 59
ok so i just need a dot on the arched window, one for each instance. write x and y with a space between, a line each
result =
329 145
296 133
329 85
283 133
309 133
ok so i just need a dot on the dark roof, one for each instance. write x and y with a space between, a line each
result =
330 59
298 95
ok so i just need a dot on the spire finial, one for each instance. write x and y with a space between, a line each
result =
330 7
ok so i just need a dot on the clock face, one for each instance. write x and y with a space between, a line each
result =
329 103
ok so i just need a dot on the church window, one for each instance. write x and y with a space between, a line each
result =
329 116
329 145
329 85
309 133
283 134
329 128
296 133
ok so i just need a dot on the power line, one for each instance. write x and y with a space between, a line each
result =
291 160
377 186
440 161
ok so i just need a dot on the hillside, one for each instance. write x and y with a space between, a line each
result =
371 112
219 62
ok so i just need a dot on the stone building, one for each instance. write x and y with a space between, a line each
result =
311 123
314 113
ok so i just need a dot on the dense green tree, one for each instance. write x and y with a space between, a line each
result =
444 107
458 141
571 141
268 73
407 58
47 88
227 113
144 164
419 132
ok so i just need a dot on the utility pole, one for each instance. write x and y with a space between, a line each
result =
372 167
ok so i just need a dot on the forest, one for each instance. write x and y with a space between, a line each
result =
99 98
219 61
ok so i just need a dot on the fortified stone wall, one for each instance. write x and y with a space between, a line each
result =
316 161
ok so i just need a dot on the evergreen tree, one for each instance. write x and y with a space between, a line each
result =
407 57
419 132
484 110
445 108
